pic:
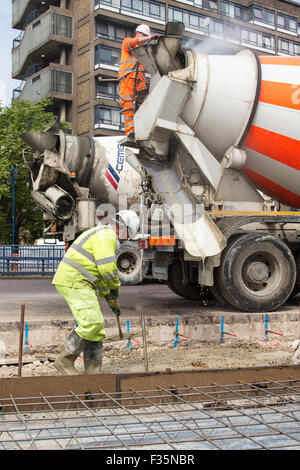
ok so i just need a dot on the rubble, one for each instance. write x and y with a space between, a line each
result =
118 359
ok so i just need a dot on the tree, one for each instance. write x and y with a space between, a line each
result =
20 117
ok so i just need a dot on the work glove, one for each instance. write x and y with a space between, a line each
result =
114 293
113 305
154 37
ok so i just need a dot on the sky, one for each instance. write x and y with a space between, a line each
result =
7 34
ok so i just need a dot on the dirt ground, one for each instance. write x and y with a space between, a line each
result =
118 359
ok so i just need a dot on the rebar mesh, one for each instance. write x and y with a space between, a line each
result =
261 415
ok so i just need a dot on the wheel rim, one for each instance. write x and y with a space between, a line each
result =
127 263
260 273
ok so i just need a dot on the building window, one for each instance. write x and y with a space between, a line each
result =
108 90
62 25
145 7
263 15
37 23
33 15
132 5
113 31
195 21
207 4
110 3
287 22
216 27
108 117
61 82
175 15
238 12
233 31
258 39
107 56
225 8
283 46
288 47
31 70
36 79
234 11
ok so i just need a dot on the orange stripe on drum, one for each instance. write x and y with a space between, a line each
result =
279 60
280 94
278 147
273 189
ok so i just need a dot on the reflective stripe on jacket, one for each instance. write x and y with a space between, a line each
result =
90 261
129 63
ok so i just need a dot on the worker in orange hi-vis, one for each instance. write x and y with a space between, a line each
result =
132 75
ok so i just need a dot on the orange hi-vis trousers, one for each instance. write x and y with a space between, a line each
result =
128 88
127 92
132 80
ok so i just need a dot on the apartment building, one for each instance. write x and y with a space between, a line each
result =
69 50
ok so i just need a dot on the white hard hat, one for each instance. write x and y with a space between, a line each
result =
143 28
131 220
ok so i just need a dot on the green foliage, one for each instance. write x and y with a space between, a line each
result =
20 117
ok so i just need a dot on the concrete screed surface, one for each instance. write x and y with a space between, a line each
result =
50 321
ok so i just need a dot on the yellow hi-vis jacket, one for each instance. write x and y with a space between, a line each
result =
90 262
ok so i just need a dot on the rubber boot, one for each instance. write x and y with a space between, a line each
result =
73 346
93 357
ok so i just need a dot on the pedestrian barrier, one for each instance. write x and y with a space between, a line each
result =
30 259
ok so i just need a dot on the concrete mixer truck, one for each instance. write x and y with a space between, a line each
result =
78 181
217 147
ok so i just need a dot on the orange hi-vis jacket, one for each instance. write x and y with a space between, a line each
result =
131 79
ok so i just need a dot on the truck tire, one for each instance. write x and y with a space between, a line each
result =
191 291
218 297
257 273
128 258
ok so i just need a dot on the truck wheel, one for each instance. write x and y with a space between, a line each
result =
216 293
218 297
129 263
257 273
192 291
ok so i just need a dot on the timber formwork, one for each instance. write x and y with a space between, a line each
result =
260 409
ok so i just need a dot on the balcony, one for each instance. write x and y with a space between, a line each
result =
22 11
42 39
148 10
52 82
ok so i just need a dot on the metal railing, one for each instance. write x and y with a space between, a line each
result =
155 11
49 24
17 91
48 81
30 259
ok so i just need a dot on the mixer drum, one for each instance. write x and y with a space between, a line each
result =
272 144
252 103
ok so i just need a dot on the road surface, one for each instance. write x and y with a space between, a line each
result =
42 301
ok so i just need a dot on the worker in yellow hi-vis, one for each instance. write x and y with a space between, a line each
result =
90 266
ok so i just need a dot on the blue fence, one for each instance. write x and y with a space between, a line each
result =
30 259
